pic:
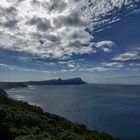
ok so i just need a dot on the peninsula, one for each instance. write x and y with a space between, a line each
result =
73 81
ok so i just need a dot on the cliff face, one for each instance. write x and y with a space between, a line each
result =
21 121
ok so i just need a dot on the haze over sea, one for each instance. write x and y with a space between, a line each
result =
114 109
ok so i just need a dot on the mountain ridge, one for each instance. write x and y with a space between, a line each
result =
59 81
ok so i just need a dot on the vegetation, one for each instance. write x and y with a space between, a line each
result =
21 121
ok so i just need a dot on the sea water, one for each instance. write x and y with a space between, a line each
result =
114 109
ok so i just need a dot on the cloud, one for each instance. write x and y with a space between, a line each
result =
10 24
69 65
63 70
55 28
113 65
57 5
3 65
9 12
127 56
14 67
14 2
42 24
104 43
107 50
37 33
134 64
73 19
8 17
102 67
50 6
97 69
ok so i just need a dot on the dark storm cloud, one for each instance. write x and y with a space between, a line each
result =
42 24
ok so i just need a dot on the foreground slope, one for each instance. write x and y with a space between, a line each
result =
21 121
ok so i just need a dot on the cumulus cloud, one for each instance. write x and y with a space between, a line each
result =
127 56
42 24
104 43
57 5
39 32
54 28
15 2
8 12
69 65
73 19
51 6
8 17
63 70
10 24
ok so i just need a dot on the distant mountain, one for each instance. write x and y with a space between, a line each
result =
73 81
9 85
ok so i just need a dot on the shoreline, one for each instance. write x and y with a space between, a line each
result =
58 121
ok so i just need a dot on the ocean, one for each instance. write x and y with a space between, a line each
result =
114 109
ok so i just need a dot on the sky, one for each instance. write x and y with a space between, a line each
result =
97 40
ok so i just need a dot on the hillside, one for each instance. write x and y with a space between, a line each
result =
21 121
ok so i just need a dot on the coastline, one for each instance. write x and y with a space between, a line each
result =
28 121
59 81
